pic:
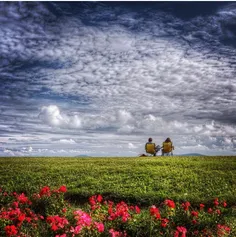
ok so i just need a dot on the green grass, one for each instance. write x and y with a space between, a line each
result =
140 180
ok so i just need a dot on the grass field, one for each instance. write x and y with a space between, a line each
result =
140 180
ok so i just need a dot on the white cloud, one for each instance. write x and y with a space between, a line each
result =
67 141
52 116
131 146
124 117
131 76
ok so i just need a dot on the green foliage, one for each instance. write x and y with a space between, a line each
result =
142 180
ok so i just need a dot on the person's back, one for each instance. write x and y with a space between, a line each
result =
150 147
167 146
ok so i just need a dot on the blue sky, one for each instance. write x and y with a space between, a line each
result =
100 78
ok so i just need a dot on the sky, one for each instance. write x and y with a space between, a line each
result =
100 78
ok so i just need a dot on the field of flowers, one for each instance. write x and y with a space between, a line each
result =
46 213
65 197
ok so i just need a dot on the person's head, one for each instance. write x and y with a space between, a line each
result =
167 139
150 139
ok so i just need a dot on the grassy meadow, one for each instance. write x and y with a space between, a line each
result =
140 180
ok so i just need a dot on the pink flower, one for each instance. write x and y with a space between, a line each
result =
224 204
116 233
99 226
180 231
75 230
83 219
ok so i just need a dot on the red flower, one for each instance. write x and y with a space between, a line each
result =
222 230
137 209
194 213
164 222
92 200
209 210
186 206
21 217
45 191
218 211
224 204
154 211
10 230
54 227
202 206
64 210
57 222
15 204
216 202
62 189
99 198
194 222
22 198
169 203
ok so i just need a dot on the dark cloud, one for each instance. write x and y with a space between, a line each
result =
118 68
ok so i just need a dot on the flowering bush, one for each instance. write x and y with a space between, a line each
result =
47 214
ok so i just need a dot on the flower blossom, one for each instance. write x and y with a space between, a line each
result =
154 211
170 203
180 231
62 189
186 205
10 230
99 226
45 191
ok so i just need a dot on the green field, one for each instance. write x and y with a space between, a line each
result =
140 180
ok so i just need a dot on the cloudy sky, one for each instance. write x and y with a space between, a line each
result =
100 78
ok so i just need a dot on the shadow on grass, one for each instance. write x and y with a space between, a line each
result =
82 199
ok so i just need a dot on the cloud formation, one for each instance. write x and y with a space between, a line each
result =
78 73
52 116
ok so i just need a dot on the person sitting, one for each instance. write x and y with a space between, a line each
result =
167 147
150 147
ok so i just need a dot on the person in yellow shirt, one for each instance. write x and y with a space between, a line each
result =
167 147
